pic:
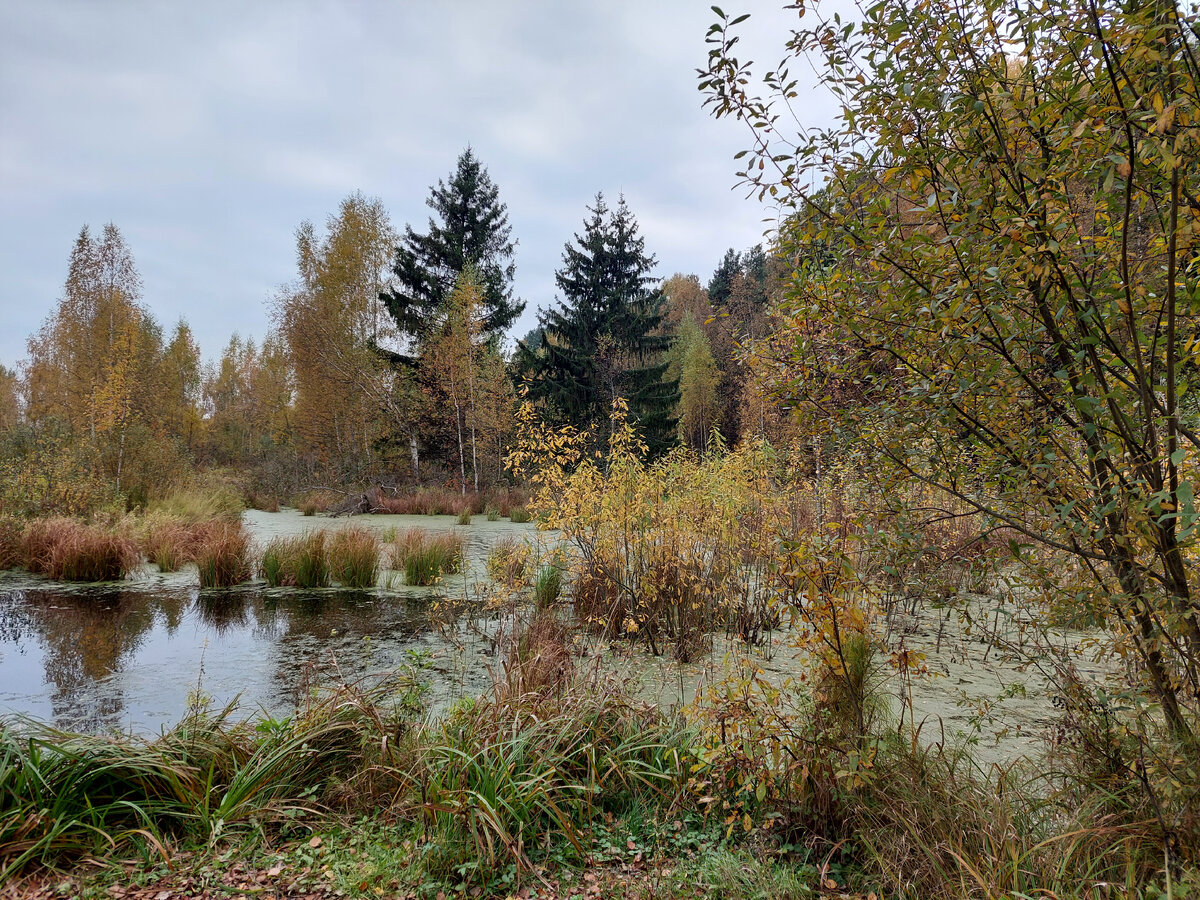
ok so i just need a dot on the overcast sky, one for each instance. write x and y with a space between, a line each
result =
208 131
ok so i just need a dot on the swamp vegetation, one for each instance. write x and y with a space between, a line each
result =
966 448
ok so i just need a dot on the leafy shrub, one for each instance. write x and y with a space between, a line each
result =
508 560
11 531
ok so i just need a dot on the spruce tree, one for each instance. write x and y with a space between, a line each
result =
604 341
469 228
722 278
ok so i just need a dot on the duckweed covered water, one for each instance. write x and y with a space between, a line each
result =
135 655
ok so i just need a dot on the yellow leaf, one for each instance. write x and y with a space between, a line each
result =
1165 120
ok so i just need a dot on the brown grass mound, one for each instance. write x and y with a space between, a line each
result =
67 550
221 551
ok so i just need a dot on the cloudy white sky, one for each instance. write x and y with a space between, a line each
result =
208 131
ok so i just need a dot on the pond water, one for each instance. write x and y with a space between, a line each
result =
132 656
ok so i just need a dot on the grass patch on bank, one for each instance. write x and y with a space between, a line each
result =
558 779
203 498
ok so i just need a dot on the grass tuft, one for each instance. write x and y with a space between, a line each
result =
300 561
166 541
354 557
547 587
518 514
425 557
67 550
221 551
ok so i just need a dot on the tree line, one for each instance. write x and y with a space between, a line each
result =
387 359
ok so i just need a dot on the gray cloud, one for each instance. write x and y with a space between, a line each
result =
208 131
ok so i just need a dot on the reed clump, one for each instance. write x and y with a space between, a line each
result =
425 556
301 561
167 541
69 550
518 515
540 659
221 551
354 557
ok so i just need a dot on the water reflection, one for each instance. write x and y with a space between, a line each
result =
132 656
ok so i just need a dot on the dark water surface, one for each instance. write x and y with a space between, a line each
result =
133 655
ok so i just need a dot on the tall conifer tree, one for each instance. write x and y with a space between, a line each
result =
469 228
604 339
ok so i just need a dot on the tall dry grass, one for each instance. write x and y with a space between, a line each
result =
68 550
354 557
221 551
432 501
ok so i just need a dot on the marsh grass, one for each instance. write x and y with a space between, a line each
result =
68 550
464 517
221 551
354 557
300 561
547 587
64 795
203 499
166 541
425 556
518 515
539 659
492 512
507 776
